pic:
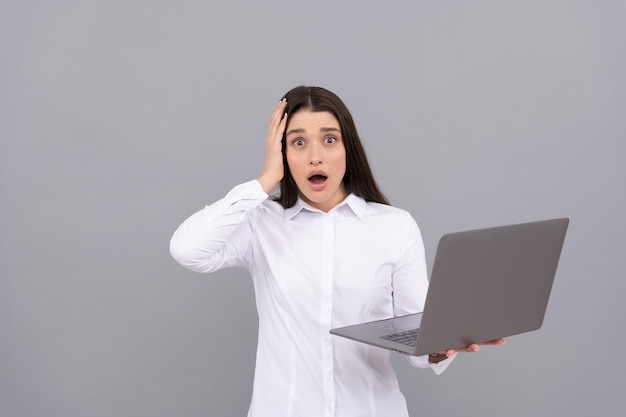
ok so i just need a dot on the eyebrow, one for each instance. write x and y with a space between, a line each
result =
322 129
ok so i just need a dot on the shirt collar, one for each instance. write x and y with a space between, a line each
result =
352 202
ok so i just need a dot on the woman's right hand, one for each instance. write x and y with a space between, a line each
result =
273 169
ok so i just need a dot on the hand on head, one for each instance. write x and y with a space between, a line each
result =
273 170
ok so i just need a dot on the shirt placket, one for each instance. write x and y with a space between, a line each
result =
325 315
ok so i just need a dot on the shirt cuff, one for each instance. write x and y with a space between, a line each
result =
438 368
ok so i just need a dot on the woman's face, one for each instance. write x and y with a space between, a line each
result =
317 158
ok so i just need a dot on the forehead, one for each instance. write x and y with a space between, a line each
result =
312 121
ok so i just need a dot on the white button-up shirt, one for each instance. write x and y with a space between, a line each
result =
313 271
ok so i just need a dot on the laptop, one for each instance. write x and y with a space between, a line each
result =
485 284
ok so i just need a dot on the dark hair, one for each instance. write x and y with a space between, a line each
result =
358 178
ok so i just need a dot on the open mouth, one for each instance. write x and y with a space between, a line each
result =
317 178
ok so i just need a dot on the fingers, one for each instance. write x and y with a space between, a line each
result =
273 169
281 125
276 127
277 121
494 342
474 347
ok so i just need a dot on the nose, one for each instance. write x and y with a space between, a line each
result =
315 156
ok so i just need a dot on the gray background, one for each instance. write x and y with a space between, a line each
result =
120 118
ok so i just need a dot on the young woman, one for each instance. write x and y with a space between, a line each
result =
328 251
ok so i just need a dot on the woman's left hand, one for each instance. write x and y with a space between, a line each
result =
474 347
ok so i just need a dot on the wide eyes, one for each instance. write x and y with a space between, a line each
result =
328 140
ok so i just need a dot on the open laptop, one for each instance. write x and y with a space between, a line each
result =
485 284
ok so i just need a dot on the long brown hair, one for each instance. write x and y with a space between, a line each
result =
358 178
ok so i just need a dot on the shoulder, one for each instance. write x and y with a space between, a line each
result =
393 227
374 209
389 216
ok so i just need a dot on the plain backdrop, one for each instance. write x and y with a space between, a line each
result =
118 119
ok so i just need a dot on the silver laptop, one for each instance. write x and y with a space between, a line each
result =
485 284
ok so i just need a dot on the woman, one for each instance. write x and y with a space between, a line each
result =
327 252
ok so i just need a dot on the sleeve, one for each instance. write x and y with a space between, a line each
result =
410 286
218 236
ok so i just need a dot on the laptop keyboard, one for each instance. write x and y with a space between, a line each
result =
408 337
